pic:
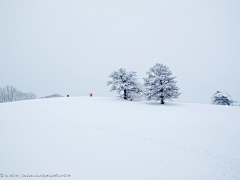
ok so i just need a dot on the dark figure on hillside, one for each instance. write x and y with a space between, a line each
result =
90 94
67 95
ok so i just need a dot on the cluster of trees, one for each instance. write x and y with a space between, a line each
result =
10 93
158 85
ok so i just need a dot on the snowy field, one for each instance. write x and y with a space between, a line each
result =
108 139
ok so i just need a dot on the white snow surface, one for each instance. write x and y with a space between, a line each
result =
103 138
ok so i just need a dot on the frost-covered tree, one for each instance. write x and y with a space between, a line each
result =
125 84
222 98
160 84
10 93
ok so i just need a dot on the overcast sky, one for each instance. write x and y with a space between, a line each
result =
71 47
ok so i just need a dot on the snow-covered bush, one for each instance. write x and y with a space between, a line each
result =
160 84
10 93
125 84
222 98
52 96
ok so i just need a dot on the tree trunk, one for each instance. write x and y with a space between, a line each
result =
125 94
162 101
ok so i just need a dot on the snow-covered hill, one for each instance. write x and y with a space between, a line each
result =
109 139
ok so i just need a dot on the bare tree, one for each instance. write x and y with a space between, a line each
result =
10 93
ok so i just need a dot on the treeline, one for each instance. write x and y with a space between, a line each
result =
159 85
10 93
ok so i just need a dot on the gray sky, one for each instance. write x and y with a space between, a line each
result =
70 47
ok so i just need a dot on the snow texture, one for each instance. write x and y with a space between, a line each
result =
92 139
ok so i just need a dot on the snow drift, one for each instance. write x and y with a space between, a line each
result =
108 139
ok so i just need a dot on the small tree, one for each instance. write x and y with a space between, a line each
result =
125 83
222 98
160 84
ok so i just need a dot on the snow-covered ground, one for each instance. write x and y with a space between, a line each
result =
108 139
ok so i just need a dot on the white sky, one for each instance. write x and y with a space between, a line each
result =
70 47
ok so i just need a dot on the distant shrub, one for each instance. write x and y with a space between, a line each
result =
10 93
222 98
53 96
